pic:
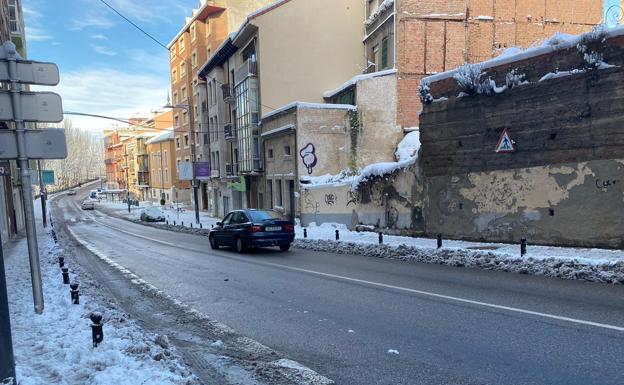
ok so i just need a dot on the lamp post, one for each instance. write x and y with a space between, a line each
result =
127 178
187 107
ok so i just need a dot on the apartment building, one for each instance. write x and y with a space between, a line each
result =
420 38
271 61
161 151
201 34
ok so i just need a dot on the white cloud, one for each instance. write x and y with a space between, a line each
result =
98 36
102 50
110 92
37 34
91 21
150 13
34 27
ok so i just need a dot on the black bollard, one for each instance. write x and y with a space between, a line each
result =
337 235
212 226
191 225
522 246
305 233
65 275
182 224
380 238
97 333
201 226
61 262
167 221
174 223
439 240
75 295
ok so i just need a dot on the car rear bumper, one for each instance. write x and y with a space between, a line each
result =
268 239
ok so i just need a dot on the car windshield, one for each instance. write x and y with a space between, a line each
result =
262 215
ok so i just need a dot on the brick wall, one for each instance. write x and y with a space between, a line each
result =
439 35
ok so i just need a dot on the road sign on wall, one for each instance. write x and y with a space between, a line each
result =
202 170
185 171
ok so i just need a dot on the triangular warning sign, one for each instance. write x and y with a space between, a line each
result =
505 144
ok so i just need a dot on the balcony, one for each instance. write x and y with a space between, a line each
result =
215 173
231 169
249 68
228 93
229 131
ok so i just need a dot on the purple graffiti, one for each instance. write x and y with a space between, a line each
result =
308 156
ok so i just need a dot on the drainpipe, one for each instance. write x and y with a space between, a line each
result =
394 51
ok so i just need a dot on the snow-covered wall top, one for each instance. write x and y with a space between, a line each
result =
559 41
358 78
309 106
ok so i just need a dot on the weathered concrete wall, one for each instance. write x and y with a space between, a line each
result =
325 130
393 202
579 204
379 134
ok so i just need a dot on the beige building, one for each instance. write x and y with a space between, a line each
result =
271 61
161 151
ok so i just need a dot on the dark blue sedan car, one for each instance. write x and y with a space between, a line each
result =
242 229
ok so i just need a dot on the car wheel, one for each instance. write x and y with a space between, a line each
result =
213 243
240 246
284 247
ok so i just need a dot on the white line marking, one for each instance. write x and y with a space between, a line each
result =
387 286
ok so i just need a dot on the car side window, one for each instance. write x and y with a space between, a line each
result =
228 219
243 218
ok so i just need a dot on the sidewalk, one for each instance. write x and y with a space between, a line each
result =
56 347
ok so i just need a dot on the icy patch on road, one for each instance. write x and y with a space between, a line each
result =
611 272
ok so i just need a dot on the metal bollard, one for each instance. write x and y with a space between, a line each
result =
201 226
305 233
523 246
191 225
174 223
75 295
65 275
167 221
182 224
61 262
212 226
439 241
380 238
97 333
337 235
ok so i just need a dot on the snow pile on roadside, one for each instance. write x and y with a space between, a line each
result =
56 347
612 272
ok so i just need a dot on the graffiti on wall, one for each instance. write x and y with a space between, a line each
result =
310 204
605 184
308 156
331 199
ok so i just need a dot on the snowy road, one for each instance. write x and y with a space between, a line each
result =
347 316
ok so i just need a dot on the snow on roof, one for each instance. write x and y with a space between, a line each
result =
556 42
309 106
358 78
381 9
167 135
279 130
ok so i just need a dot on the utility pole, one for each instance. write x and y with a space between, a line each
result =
127 178
191 112
43 195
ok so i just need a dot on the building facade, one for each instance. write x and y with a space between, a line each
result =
160 150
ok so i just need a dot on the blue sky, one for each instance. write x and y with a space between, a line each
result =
106 65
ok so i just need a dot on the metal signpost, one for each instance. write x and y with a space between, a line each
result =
21 144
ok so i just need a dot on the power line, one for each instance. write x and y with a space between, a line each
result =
165 47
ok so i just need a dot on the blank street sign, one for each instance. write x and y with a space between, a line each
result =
31 72
36 107
48 143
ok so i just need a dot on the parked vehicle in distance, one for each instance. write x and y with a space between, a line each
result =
242 229
88 204
71 191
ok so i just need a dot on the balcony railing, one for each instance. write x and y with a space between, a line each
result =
249 68
229 131
231 169
228 93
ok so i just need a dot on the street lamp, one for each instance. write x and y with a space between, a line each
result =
187 107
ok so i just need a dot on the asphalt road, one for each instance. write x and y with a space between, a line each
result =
340 314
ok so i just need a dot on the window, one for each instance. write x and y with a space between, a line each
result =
174 75
384 53
279 192
178 166
287 150
173 52
176 122
205 138
209 52
186 140
193 33
210 93
181 44
270 153
165 157
194 59
185 117
166 175
270 192
184 94
175 98
178 144
373 56
196 111
182 69
207 27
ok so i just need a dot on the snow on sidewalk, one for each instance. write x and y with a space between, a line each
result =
185 214
56 347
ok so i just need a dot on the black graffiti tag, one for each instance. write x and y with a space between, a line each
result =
330 199
604 184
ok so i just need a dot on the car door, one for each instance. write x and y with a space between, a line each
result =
220 233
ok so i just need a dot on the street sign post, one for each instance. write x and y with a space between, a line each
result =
21 107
